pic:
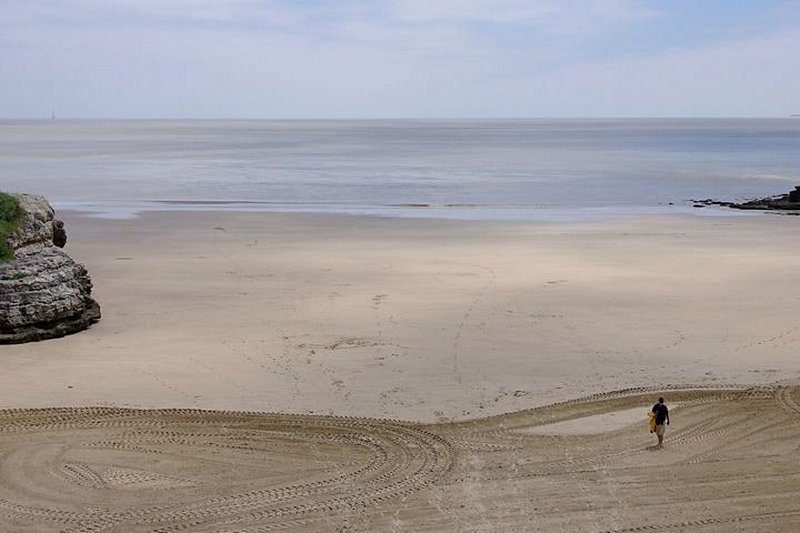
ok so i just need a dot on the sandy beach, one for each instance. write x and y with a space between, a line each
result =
419 375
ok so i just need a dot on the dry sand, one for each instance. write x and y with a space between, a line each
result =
438 323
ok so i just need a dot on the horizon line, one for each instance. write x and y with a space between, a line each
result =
420 118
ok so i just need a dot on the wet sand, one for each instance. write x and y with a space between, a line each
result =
440 343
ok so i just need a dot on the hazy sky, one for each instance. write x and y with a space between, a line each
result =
398 58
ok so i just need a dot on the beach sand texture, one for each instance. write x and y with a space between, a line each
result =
122 470
348 325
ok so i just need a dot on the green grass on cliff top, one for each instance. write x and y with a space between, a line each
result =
10 216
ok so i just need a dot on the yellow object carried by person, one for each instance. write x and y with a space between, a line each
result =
652 416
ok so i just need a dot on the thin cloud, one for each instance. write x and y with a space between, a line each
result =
558 16
362 58
736 79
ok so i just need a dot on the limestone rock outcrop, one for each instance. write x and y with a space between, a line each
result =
43 292
788 203
783 202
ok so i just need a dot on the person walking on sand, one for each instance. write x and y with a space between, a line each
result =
662 416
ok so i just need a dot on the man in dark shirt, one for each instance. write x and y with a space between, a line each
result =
662 416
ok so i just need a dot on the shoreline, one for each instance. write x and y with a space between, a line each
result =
425 211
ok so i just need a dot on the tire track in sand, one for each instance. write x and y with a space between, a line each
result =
102 469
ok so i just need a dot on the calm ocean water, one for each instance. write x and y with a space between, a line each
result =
483 169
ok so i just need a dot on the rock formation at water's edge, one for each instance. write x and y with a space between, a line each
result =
43 292
788 203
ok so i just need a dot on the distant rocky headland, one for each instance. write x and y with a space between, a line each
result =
43 292
788 203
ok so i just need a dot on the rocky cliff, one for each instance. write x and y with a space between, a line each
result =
43 292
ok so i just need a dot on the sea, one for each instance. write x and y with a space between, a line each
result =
492 169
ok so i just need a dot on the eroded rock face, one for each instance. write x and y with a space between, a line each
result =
36 231
43 292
